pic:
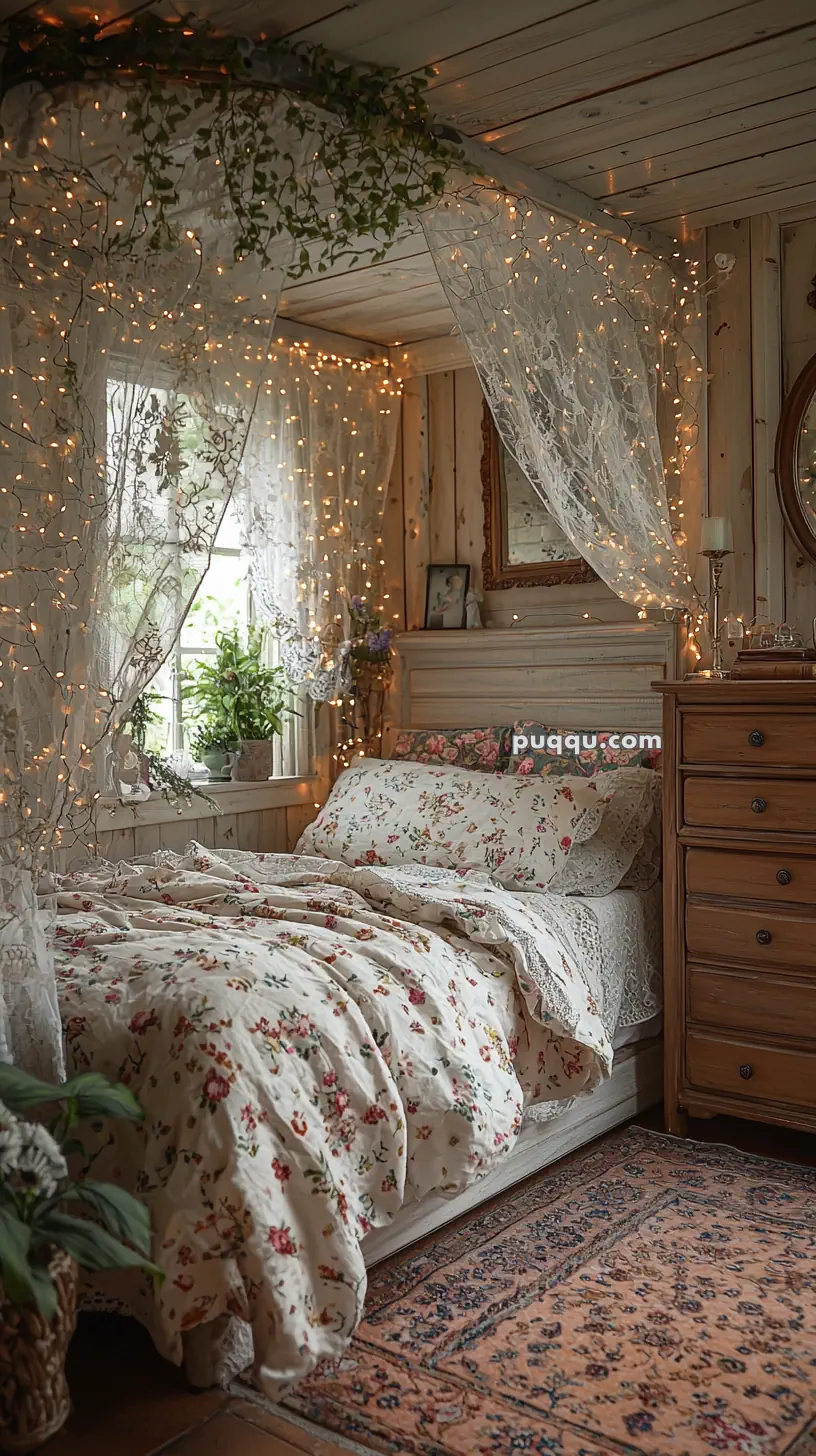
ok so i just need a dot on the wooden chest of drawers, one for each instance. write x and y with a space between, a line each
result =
739 900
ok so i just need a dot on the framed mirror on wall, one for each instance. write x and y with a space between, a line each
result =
796 460
524 546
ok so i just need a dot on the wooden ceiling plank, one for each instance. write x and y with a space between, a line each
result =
385 307
569 36
371 283
799 198
714 151
633 109
791 94
631 61
402 329
557 196
421 32
717 186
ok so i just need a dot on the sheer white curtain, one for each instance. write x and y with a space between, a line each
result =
584 347
131 360
318 459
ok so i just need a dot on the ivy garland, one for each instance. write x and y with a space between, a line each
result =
378 155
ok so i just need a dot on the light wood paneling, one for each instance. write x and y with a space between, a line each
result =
468 407
415 493
799 343
392 536
730 423
297 818
766 365
442 468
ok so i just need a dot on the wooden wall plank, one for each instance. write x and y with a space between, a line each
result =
415 490
799 343
226 832
730 421
273 831
297 818
442 468
118 844
147 838
177 833
766 351
392 536
469 403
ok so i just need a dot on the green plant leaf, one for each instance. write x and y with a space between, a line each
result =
23 1281
122 1214
95 1096
92 1247
20 1091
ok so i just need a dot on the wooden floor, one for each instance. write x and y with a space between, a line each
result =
128 1402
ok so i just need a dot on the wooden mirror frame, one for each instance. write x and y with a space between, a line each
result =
785 468
497 574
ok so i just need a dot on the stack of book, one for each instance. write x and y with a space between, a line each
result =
776 662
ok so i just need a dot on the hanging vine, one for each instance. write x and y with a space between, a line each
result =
376 155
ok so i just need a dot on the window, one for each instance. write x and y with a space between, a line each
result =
135 417
223 601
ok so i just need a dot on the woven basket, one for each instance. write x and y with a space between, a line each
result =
34 1399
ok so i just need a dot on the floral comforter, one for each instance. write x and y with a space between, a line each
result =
312 1044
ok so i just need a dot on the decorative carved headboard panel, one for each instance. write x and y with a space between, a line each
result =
597 676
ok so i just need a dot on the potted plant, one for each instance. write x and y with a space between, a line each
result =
42 1242
210 747
241 700
158 772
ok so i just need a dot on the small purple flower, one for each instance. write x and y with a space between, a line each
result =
357 604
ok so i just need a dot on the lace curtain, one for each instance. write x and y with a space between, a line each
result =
585 350
318 459
133 345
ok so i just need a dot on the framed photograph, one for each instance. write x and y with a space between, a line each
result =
445 597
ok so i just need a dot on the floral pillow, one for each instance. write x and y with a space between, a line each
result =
580 752
481 749
517 830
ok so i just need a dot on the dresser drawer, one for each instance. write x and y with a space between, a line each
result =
770 939
754 737
739 1001
781 877
754 804
743 1069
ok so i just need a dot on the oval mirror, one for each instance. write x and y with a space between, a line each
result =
796 460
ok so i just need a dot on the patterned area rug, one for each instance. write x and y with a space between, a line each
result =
653 1296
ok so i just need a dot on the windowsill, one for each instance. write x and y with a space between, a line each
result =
229 798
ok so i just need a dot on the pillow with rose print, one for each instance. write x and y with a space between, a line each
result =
580 752
518 830
481 749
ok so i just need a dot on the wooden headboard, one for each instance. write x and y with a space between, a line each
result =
596 676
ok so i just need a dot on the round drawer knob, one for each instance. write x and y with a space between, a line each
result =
764 937
756 738
784 877
746 1071
758 806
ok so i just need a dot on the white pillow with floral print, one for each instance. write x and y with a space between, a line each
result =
519 830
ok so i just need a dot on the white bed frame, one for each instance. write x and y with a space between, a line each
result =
576 677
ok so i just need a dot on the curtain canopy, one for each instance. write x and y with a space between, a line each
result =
584 348
134 338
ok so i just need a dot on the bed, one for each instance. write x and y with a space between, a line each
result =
337 1057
